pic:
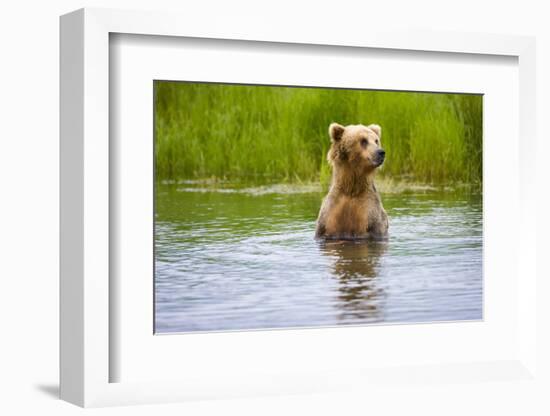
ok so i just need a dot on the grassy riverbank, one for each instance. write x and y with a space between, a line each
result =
253 133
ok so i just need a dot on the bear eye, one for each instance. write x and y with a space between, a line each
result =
377 141
364 143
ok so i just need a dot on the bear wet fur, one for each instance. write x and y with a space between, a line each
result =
352 208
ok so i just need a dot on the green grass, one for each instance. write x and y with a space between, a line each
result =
258 133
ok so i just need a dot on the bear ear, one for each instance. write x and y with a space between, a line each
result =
336 131
377 129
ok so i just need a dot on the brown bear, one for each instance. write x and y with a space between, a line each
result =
353 209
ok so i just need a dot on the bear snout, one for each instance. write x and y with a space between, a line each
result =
380 156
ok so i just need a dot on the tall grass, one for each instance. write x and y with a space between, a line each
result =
280 133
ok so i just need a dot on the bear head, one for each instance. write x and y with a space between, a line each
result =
357 147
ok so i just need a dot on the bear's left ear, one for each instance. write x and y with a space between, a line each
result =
377 129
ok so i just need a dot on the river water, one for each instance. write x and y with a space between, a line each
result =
238 258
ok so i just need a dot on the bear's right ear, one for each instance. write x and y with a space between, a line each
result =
336 131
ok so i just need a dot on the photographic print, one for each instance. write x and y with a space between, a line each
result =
297 207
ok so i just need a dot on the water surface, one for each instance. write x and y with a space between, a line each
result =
237 258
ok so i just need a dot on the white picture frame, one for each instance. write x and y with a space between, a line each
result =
86 304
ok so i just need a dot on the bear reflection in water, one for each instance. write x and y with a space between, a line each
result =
356 265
